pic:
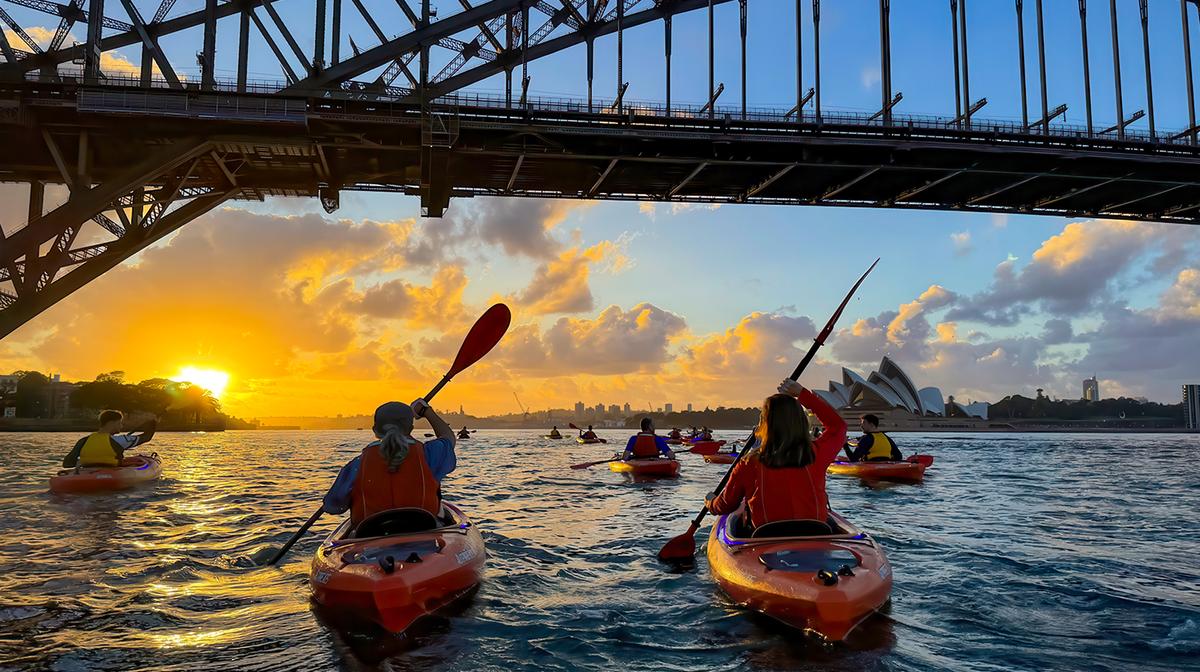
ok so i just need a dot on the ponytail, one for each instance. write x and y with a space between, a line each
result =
394 445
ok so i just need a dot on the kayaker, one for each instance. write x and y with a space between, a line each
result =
554 433
783 477
705 435
106 446
646 444
464 433
395 471
675 435
589 435
873 445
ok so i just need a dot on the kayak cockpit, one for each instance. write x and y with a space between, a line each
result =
836 528
400 523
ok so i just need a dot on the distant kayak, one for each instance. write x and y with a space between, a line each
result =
589 441
675 442
395 579
551 436
721 458
650 467
706 447
882 471
825 584
134 470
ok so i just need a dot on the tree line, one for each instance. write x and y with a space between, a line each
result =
169 400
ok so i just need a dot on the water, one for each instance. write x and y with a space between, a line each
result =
1018 552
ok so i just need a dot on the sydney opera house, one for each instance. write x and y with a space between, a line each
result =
889 393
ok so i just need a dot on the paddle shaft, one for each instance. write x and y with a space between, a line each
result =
808 357
296 537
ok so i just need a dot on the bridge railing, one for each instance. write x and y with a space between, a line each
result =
244 106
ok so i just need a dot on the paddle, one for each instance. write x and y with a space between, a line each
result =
683 547
586 465
483 336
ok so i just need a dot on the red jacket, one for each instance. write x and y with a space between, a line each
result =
787 493
376 489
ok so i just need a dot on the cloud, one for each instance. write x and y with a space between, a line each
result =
440 302
519 226
615 342
252 292
761 347
1068 273
869 76
561 285
962 243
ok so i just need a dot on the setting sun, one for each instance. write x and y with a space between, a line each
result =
210 379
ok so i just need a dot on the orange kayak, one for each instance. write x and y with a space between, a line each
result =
881 471
396 579
825 585
721 458
134 470
706 447
649 467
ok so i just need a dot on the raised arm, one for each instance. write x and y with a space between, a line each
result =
441 429
833 438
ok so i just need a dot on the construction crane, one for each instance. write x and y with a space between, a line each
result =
523 409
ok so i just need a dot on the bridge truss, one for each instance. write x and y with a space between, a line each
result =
143 146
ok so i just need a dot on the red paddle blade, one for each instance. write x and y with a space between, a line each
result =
484 335
680 548
926 460
572 425
833 320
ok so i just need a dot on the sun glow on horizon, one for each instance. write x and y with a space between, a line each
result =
210 379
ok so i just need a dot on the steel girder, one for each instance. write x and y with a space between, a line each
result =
42 262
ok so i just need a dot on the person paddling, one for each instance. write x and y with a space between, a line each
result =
395 471
106 446
589 435
554 433
783 477
873 445
646 445
675 435
464 433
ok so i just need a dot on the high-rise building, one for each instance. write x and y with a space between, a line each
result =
689 408
628 410
579 408
669 407
1191 406
1091 389
613 409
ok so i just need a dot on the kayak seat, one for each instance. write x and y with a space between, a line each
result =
397 521
792 528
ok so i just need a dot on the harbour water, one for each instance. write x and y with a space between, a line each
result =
1018 552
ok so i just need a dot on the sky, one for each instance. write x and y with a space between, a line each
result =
315 314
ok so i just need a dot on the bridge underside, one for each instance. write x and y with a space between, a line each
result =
141 163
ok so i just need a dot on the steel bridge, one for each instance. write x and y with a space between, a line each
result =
143 150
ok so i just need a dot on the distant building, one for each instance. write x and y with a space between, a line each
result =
689 408
1191 406
8 385
1091 389
614 409
579 408
669 407
628 410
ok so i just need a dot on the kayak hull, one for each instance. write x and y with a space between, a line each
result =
720 458
652 467
432 569
706 447
790 590
134 470
908 472
584 441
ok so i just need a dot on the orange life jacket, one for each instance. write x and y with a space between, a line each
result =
645 446
376 489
